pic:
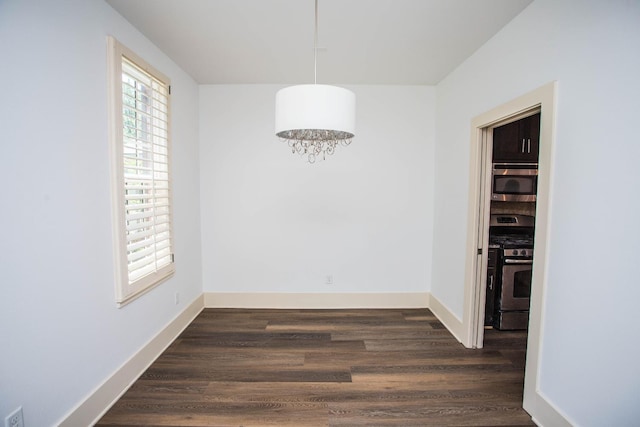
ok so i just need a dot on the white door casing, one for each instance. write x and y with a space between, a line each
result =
544 100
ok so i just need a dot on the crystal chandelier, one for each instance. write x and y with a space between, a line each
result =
314 119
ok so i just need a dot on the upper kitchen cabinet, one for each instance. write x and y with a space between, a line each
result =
517 142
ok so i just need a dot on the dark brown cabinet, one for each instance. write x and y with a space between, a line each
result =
517 142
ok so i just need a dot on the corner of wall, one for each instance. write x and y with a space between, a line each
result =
448 319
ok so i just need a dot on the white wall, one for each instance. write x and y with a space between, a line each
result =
60 330
274 223
589 368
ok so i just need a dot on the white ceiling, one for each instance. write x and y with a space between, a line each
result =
401 42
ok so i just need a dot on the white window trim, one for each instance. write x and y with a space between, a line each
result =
127 291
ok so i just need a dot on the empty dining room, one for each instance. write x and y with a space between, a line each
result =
265 212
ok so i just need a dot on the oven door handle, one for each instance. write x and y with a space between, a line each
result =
518 261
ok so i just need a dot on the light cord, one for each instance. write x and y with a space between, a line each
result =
315 48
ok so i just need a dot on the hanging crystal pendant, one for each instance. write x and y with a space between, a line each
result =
315 118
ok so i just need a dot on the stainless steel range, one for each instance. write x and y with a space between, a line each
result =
509 287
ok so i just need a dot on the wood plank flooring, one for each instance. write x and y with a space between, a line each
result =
235 367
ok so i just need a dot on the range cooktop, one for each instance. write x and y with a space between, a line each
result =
510 241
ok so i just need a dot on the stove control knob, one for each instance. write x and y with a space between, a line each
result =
515 252
523 252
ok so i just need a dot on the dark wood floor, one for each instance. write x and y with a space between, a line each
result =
327 368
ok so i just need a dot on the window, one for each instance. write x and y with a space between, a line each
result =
141 179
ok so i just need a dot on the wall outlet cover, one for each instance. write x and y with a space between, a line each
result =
14 419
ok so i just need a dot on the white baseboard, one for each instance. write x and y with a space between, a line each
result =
543 412
101 399
316 301
448 319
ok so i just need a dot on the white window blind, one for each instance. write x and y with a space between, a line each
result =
142 193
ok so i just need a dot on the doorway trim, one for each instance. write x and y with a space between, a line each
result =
544 99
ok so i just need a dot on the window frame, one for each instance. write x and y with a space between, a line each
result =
128 290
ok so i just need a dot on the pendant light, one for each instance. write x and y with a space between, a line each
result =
313 119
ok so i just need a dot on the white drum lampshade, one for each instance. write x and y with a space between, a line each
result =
330 110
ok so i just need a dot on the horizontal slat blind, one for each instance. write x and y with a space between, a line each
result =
147 198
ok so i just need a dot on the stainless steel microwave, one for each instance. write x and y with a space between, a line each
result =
514 182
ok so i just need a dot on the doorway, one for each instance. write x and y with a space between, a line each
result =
543 100
506 212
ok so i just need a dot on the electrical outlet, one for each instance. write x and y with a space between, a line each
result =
328 280
14 419
177 298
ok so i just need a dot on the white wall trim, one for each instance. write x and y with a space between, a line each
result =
446 316
545 414
100 400
317 301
